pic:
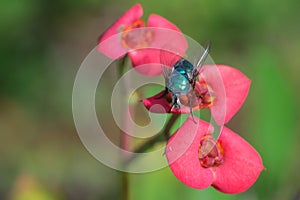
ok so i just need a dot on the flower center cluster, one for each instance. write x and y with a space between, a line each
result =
205 93
210 152
135 36
202 96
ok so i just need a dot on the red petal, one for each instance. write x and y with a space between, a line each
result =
146 56
157 56
182 153
231 88
149 61
242 164
166 36
130 16
166 33
158 21
111 47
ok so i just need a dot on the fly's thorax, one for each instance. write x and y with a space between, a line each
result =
184 64
185 68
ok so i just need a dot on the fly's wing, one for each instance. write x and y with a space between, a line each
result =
166 73
199 62
168 58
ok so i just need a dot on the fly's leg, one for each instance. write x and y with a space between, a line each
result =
174 103
171 108
191 110
194 84
194 78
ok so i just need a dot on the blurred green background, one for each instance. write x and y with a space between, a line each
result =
43 43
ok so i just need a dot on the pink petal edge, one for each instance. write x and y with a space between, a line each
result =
148 56
231 87
131 15
166 36
159 21
112 47
241 167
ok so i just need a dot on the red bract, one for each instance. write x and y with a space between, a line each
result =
129 34
229 164
223 89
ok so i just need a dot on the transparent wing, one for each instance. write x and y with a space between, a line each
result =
169 56
198 56
166 72
203 57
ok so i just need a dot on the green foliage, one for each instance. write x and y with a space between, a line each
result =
273 125
43 44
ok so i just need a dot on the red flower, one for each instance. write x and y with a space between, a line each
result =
229 164
221 88
130 35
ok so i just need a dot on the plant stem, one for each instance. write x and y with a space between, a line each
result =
125 186
162 136
169 125
124 138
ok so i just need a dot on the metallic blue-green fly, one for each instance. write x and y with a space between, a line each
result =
181 78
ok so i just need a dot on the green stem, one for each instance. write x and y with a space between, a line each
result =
162 136
121 66
124 141
169 125
125 186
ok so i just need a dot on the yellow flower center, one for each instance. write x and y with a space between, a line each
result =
210 152
135 36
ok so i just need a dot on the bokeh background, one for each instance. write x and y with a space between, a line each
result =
43 43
